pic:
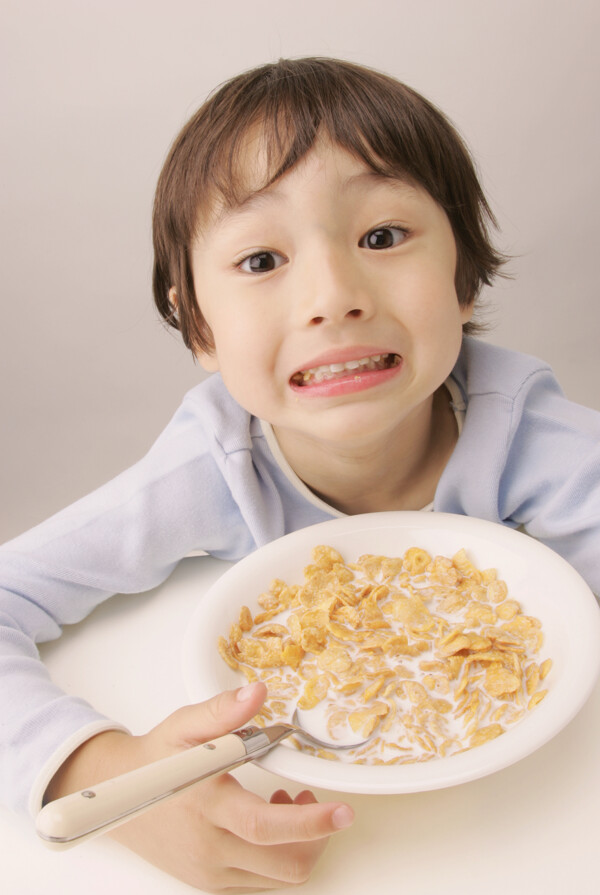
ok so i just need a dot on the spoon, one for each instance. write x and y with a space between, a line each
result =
83 815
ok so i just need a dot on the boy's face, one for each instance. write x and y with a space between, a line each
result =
331 299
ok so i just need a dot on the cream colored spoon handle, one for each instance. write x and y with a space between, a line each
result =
82 815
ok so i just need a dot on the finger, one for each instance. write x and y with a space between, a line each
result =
252 819
281 864
259 884
225 712
232 880
269 885
306 797
281 797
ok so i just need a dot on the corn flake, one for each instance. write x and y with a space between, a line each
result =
424 656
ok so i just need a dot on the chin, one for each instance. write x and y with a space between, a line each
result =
357 426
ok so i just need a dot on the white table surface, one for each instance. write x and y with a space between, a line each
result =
531 828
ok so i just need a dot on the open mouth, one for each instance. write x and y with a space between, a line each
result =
323 373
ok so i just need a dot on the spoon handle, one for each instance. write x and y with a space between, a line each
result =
82 815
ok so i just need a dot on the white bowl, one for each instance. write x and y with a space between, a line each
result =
545 585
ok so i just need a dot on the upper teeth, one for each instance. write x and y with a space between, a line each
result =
325 370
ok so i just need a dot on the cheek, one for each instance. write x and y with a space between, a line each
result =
431 301
435 327
241 356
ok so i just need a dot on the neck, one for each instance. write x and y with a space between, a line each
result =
398 472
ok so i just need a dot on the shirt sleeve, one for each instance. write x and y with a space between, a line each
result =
527 456
126 537
551 481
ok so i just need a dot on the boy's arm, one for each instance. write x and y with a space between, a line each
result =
124 538
215 835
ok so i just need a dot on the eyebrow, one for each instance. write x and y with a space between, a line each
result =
268 194
255 199
401 184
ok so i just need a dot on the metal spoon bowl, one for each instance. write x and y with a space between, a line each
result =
302 722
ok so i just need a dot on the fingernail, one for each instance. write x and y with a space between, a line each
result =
342 817
245 693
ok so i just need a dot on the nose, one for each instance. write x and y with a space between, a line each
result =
333 291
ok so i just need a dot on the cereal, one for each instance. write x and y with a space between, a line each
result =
425 655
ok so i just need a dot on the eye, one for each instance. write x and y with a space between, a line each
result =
261 262
383 238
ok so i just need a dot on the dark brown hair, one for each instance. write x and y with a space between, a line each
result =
389 126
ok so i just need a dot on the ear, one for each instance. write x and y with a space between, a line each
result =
207 359
173 300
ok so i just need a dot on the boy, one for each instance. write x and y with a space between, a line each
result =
320 242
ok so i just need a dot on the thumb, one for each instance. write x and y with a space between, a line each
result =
223 713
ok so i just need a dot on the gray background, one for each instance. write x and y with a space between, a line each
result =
94 92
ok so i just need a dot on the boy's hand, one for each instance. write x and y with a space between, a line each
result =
216 835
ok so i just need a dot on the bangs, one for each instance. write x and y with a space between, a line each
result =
261 133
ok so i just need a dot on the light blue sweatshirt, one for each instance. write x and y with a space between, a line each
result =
214 481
